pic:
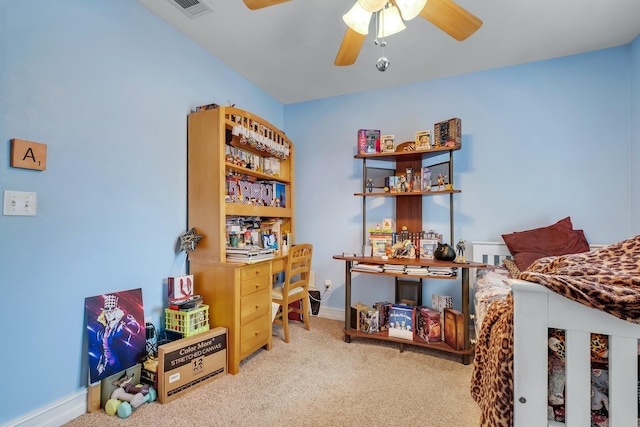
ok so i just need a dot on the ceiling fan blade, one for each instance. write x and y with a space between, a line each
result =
451 18
259 4
350 47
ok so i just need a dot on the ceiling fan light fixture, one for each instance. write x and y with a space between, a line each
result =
409 9
390 22
358 19
372 5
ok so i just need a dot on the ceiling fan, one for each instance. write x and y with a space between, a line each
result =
444 14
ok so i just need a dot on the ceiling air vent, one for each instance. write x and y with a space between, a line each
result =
192 8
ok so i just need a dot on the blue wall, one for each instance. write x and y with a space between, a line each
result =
107 86
541 141
634 158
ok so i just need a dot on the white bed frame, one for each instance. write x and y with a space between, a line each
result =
537 309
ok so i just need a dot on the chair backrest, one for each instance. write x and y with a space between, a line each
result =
298 267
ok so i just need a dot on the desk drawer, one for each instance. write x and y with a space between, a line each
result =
255 270
253 335
253 306
255 285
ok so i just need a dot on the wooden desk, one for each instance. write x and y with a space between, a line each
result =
239 298
278 264
468 350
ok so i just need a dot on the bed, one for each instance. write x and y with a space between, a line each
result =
512 362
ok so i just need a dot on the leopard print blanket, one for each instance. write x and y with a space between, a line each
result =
607 279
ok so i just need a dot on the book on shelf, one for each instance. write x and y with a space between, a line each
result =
375 268
442 271
417 271
394 268
401 321
249 254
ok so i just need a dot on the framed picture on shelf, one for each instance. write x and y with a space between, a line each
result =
378 246
387 144
423 140
439 176
377 176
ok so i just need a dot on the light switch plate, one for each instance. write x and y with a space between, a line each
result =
19 203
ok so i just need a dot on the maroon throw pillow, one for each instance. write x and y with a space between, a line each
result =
556 239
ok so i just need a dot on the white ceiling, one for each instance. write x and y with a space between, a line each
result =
288 49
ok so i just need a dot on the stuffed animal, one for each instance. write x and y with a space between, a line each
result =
599 389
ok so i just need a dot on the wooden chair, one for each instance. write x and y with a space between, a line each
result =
294 288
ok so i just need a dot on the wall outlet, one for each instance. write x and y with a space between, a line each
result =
327 285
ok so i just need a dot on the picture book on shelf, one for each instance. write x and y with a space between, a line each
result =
401 321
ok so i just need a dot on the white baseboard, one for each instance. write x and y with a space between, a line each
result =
54 414
331 313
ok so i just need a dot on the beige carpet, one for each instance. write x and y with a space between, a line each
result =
319 380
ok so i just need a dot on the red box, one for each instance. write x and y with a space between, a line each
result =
368 141
428 324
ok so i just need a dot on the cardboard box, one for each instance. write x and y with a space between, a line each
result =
355 314
440 302
190 362
454 328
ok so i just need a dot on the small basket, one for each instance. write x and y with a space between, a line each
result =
188 323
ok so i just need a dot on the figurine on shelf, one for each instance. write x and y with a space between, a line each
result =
403 184
403 249
370 184
441 183
460 248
